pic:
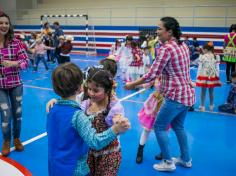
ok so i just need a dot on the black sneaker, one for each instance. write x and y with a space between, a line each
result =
191 108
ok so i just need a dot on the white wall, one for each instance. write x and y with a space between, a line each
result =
215 13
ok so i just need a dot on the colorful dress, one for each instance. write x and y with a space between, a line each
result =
148 113
135 68
104 162
116 51
208 73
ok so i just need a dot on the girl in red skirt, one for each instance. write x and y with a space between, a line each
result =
208 74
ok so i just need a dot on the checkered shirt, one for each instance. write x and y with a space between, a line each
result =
173 62
10 77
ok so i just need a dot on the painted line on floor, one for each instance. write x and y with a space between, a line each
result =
134 101
86 60
30 140
216 112
133 94
36 87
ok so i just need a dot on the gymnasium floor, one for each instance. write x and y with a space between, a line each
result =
211 134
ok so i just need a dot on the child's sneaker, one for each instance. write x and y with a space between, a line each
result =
211 107
179 161
165 166
202 108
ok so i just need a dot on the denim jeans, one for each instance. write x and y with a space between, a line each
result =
10 110
38 58
174 113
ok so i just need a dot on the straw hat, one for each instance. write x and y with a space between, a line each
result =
22 36
112 57
61 37
39 40
69 38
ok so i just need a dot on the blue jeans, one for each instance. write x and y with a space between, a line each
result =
11 110
174 113
38 58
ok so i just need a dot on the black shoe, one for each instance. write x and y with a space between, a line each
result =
191 108
158 157
139 158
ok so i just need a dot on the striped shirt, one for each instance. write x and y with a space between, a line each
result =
173 64
10 76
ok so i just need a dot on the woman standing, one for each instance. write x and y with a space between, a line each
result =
13 58
230 51
173 63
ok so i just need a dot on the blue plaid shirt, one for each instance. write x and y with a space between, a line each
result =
94 140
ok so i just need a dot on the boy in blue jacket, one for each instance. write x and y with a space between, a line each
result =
70 131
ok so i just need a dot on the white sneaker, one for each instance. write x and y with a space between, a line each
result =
165 165
202 108
211 107
179 161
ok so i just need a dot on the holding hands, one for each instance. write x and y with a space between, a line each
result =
122 124
129 86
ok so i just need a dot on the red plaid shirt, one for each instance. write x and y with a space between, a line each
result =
173 63
10 77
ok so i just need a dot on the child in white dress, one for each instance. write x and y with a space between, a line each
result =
125 59
116 49
208 74
135 68
146 59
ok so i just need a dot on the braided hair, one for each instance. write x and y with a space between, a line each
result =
172 24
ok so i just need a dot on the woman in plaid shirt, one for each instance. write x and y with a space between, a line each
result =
172 62
13 58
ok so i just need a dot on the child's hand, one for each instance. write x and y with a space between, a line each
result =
7 63
192 84
116 118
129 86
50 104
121 126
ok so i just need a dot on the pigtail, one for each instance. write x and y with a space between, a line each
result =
105 113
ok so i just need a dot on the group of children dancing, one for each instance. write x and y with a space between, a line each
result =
55 45
131 60
96 102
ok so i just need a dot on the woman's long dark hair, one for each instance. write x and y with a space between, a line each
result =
10 35
171 23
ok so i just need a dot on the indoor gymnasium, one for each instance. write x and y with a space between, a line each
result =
126 88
